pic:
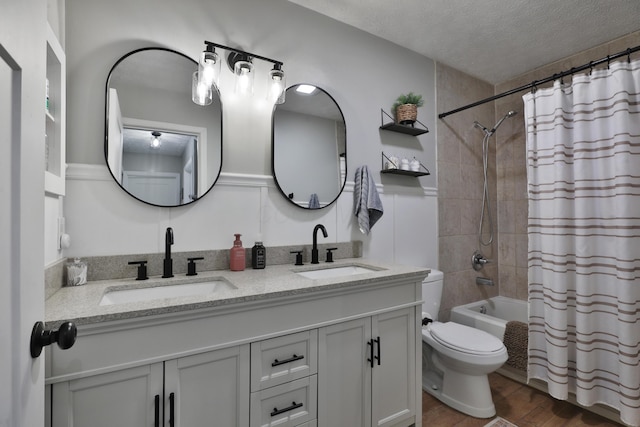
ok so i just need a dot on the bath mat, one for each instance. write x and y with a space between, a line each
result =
516 340
500 422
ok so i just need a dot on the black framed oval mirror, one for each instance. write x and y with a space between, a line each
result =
309 147
160 147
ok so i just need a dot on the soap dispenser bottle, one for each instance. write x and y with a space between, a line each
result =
258 254
237 256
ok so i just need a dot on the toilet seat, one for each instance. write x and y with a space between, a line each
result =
464 338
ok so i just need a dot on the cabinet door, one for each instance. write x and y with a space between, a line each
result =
394 373
121 398
344 374
208 389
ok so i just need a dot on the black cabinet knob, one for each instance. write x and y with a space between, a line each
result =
65 337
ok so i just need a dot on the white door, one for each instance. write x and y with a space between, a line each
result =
208 389
157 188
130 397
393 385
188 184
115 144
22 129
344 374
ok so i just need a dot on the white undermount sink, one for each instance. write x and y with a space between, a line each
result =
121 296
331 272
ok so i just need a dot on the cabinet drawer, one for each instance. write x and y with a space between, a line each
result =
286 405
283 359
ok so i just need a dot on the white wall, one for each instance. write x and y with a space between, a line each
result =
362 72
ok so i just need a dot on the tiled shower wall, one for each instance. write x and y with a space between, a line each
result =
511 166
460 187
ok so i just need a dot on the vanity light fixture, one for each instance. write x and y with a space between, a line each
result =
206 79
155 139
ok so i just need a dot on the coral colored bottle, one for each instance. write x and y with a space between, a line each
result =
237 255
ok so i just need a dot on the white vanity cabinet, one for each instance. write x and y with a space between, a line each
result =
347 355
367 371
205 389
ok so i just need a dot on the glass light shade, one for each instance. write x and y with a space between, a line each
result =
155 139
209 68
276 86
243 71
201 93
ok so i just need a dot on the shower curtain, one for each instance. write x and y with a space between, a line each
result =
583 169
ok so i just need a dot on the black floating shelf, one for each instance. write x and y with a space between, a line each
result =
397 171
397 127
404 172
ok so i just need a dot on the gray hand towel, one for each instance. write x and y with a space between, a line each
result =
314 203
367 204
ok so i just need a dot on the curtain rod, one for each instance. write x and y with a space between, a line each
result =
534 83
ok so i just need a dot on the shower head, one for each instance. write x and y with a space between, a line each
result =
509 114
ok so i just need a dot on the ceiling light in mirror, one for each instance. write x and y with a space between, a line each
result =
305 89
155 139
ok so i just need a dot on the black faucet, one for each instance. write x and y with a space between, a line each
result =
168 262
314 250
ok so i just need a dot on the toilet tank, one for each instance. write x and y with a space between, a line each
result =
432 293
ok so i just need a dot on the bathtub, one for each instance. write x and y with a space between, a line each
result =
494 316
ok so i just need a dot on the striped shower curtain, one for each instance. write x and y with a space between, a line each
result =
583 168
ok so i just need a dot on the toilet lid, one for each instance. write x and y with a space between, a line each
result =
464 338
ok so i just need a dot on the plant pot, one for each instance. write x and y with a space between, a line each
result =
406 114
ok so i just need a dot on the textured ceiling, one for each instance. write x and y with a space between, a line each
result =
494 40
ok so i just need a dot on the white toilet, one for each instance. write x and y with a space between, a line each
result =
456 359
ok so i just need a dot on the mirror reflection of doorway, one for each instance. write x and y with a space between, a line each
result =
159 166
158 162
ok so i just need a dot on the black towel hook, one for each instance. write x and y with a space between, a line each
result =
534 88
629 55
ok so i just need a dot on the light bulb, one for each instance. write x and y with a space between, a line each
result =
244 77
155 139
209 68
276 85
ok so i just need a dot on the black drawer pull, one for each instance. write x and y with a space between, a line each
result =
157 411
291 359
172 419
293 406
370 359
377 341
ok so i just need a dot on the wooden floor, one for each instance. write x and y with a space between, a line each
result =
517 403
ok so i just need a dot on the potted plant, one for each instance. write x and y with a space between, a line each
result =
406 108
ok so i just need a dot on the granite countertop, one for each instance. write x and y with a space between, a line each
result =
80 304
